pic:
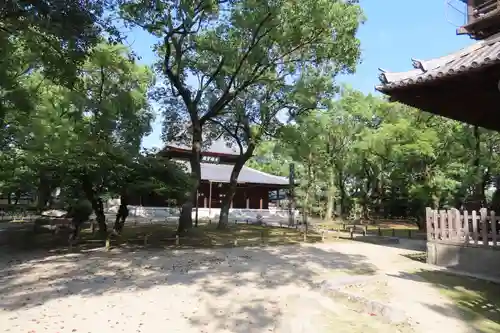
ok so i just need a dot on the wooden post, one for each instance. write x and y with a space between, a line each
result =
466 227
210 199
450 214
444 224
484 226
493 221
260 203
430 223
475 233
437 225
196 212
248 202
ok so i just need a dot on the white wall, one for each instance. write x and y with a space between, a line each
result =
165 213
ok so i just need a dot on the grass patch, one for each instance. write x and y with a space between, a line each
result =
207 235
163 236
383 228
478 301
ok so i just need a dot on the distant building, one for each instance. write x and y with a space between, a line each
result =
255 188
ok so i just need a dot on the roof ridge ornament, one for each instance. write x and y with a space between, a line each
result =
419 64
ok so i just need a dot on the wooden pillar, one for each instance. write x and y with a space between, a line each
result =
196 213
260 203
210 199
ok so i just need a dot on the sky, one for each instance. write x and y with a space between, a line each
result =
395 31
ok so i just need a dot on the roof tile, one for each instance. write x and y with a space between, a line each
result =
480 54
221 173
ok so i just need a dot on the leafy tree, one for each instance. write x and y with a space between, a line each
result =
232 47
53 37
389 160
86 140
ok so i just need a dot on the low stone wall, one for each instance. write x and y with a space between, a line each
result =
474 259
165 213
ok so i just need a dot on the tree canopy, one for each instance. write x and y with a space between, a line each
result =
367 158
75 105
245 58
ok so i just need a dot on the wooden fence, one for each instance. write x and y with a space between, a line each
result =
463 227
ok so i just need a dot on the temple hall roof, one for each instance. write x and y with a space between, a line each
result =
221 173
477 56
219 146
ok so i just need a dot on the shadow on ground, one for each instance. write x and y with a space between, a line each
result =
474 300
32 279
398 243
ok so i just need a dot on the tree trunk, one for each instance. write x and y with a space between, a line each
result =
121 215
17 196
342 192
97 205
231 189
331 197
75 229
478 196
307 207
43 191
185 218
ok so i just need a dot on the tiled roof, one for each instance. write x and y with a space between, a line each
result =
219 146
222 172
478 55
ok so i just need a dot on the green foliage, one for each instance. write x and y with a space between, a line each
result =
85 140
51 37
80 210
252 59
363 156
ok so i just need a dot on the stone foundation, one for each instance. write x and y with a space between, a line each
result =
472 259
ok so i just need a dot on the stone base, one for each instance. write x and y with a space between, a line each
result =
472 259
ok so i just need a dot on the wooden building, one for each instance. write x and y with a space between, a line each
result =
464 85
255 188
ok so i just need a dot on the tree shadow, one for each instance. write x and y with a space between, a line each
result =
227 289
474 300
402 243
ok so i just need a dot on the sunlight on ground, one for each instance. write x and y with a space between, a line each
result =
477 300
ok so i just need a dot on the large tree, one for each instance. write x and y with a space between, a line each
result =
87 131
214 51
53 37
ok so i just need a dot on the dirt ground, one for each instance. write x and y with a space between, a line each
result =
259 289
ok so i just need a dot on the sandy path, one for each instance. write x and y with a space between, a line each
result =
226 290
